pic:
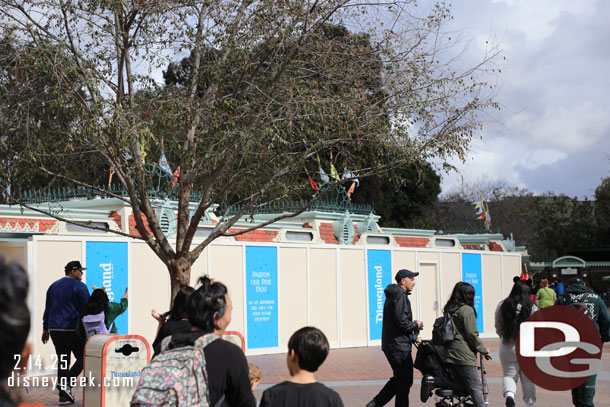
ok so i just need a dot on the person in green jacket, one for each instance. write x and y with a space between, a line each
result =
99 302
546 296
460 354
594 308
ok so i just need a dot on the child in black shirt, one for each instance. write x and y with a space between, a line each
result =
307 349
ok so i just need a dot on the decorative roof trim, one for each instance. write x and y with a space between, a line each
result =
409 232
569 261
482 238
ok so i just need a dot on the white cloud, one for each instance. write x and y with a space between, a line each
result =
554 93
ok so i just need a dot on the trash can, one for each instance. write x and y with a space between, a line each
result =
112 369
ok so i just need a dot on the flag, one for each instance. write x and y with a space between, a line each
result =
487 218
176 176
351 189
323 175
164 164
348 174
333 172
143 153
482 212
313 183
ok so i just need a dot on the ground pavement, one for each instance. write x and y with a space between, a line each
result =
357 374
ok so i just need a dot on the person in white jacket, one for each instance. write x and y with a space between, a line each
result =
510 313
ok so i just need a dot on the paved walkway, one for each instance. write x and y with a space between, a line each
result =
357 374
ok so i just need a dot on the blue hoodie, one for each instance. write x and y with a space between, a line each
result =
65 298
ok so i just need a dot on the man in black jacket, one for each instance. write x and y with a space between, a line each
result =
398 334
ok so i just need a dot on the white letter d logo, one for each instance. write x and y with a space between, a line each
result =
527 334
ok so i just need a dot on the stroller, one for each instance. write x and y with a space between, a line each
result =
438 379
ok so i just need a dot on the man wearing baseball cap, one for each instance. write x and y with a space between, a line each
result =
65 298
398 334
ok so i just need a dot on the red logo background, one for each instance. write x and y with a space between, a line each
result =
544 336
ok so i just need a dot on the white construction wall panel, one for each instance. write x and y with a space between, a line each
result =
292 306
353 293
149 289
323 289
227 266
491 266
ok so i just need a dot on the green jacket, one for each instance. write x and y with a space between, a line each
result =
463 349
114 310
546 297
596 308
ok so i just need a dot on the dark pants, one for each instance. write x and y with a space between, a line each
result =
582 396
470 380
400 384
66 343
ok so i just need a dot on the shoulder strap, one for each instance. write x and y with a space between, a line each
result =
205 340
165 343
200 342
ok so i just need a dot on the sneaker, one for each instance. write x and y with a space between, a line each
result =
65 396
510 402
371 403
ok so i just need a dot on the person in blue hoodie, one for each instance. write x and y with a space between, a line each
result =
398 334
65 298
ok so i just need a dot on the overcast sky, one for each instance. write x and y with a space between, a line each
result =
553 132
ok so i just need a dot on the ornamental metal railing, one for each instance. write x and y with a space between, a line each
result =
162 187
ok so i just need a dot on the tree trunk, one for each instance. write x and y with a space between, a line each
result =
180 274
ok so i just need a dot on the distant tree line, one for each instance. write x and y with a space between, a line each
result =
549 225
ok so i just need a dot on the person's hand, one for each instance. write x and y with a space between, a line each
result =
156 315
418 340
420 324
125 295
45 337
487 356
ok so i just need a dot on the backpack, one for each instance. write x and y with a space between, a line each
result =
583 306
442 330
176 377
95 324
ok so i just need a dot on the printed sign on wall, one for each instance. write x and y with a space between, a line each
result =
379 276
107 267
261 297
471 273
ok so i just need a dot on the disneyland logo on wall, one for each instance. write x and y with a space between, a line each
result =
559 348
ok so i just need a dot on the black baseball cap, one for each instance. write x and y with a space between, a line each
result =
403 273
576 280
74 265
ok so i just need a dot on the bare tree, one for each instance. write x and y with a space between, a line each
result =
269 86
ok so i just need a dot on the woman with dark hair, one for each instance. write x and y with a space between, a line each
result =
14 325
99 303
461 353
175 320
510 313
209 310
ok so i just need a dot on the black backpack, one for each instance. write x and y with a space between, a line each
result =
442 330
582 305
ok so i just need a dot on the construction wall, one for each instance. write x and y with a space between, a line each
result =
275 288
